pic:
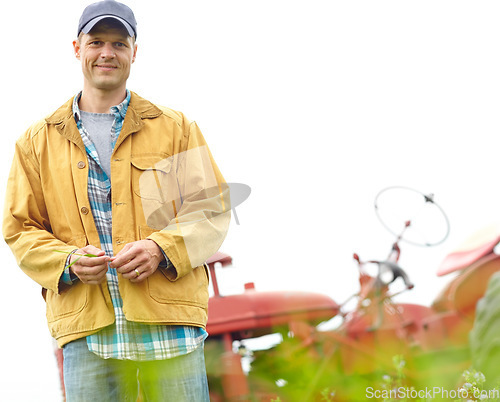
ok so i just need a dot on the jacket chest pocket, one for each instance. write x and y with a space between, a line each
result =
154 181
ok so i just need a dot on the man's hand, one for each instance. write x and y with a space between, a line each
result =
90 270
137 260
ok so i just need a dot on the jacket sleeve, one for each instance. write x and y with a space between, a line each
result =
26 227
202 209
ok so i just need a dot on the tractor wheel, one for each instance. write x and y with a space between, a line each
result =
484 337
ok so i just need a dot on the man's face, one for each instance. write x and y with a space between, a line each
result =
106 54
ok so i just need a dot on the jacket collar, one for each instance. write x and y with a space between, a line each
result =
144 108
138 109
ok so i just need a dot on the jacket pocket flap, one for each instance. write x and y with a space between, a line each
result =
159 162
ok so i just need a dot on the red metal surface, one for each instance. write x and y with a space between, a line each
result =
234 381
253 314
254 310
462 259
221 258
463 292
217 258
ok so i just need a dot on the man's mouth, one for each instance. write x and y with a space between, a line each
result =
106 67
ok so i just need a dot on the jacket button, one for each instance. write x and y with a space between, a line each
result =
84 210
81 164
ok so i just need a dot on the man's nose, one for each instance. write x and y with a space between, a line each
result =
108 52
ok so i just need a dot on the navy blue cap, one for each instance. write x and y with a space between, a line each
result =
107 9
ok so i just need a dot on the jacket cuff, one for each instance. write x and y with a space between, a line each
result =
166 264
68 277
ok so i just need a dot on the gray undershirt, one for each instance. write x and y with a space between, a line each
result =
98 127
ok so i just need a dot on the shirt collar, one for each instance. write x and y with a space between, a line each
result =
118 110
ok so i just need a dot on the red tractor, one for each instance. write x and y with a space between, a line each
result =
342 363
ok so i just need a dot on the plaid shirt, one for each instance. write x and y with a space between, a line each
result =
126 339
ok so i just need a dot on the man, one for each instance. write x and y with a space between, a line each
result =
113 204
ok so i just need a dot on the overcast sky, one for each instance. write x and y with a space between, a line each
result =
316 105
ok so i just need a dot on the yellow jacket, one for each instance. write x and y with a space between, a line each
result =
165 187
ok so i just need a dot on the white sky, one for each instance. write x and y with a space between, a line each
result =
316 105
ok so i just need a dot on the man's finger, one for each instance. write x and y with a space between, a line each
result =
94 261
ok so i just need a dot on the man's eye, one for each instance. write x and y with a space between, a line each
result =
95 43
119 44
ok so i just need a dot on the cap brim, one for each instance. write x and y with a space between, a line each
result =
88 27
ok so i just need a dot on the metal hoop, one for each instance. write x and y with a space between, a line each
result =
426 200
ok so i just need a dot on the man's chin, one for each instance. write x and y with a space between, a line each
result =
108 86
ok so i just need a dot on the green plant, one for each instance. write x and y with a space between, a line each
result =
76 259
474 387
327 394
391 384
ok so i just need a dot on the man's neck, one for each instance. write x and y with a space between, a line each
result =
97 101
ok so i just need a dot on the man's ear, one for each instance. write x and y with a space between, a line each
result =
135 53
76 48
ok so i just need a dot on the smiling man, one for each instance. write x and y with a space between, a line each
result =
131 195
106 51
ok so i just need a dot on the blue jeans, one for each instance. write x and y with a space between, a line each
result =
87 377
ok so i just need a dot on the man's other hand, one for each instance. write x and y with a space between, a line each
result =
137 260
